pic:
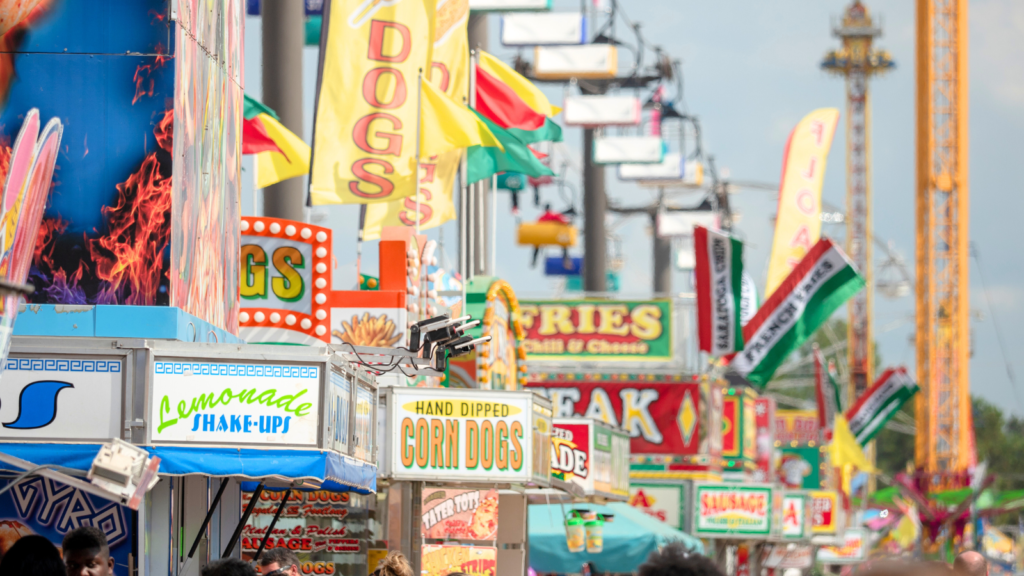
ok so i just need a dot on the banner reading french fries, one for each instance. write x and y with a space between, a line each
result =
366 118
450 72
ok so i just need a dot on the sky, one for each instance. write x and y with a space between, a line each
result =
751 72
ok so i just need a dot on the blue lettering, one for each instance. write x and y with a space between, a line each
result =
222 426
264 424
209 421
195 423
236 423
246 423
278 421
287 419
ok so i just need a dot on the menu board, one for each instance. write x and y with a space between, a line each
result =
450 514
326 530
467 435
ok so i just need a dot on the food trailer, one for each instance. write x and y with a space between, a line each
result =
456 463
216 415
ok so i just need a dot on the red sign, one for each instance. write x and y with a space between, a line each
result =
570 451
660 418
731 426
800 426
450 514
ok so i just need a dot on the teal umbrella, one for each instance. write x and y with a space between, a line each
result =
628 539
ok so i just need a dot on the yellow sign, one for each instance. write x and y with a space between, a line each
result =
373 558
443 559
366 118
450 72
798 222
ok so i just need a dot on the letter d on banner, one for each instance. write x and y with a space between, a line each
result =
365 124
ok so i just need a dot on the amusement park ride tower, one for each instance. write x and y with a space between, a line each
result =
857 61
945 435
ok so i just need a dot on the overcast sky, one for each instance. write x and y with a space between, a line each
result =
751 72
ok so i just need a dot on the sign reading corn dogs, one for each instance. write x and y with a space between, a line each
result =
467 436
285 281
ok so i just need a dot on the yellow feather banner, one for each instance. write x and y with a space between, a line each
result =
798 221
449 72
366 119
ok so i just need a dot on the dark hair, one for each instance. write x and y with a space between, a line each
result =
228 567
86 538
283 557
676 559
32 555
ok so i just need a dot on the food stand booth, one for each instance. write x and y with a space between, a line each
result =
457 464
216 415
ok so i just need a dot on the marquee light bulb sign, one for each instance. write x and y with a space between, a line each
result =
285 281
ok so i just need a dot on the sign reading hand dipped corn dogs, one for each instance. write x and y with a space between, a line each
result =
467 435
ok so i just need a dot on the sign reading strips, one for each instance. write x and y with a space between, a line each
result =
722 510
235 403
461 435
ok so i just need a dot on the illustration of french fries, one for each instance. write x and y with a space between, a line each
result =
368 331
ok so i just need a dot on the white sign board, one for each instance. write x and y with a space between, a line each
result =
508 5
234 403
622 149
853 550
794 516
664 503
543 28
681 223
63 398
601 111
461 435
788 556
587 61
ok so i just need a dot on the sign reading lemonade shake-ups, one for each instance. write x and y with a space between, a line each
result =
467 436
727 510
235 402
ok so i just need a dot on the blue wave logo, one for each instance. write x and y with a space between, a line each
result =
37 406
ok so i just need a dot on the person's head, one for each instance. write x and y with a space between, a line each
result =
970 563
32 555
675 559
281 561
394 564
228 567
86 552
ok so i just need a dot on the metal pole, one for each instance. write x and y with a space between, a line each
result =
477 31
270 529
662 260
492 266
595 206
209 515
419 125
284 31
241 522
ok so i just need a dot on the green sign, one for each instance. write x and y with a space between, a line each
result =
731 510
800 467
598 330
